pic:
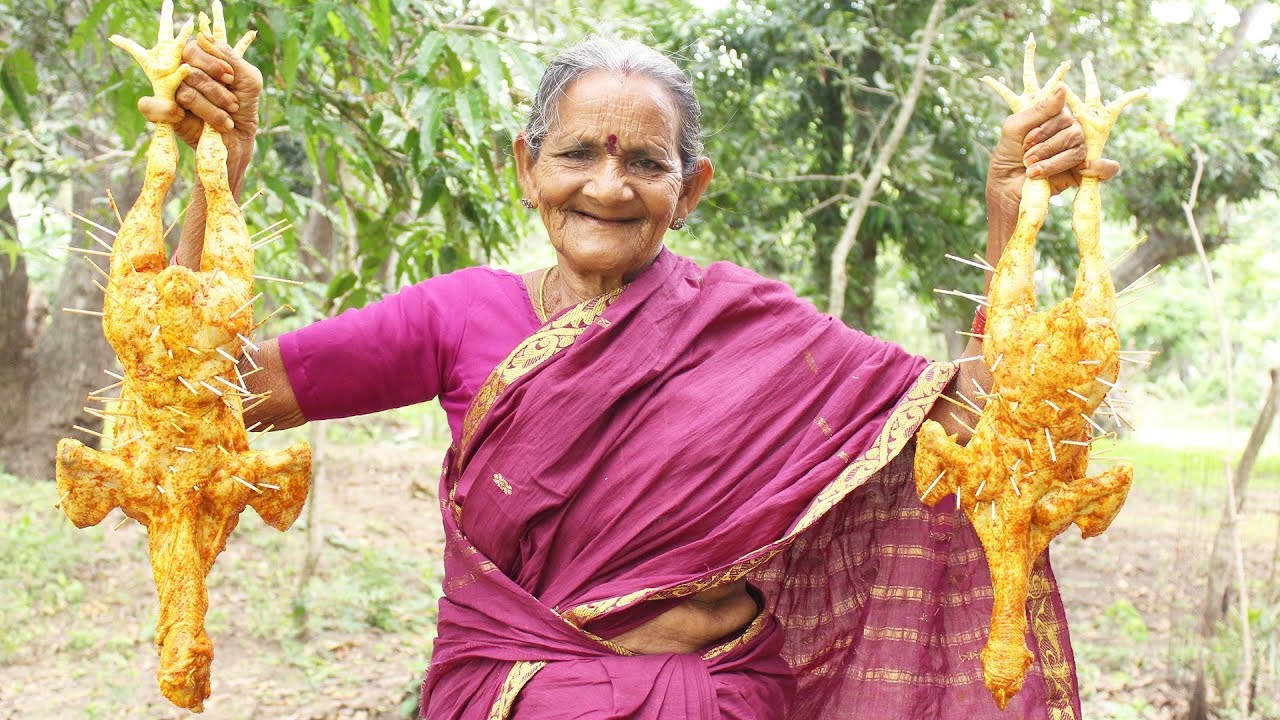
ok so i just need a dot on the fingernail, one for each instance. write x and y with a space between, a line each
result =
228 78
229 126
1030 160
233 107
1035 172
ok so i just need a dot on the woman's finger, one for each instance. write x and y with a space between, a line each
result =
213 91
198 57
1065 161
1047 129
1067 138
200 106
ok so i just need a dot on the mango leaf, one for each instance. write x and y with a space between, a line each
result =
432 113
341 285
89 28
380 15
429 54
17 80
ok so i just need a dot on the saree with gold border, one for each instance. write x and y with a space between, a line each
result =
695 428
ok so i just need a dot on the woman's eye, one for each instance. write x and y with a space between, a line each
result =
648 165
576 154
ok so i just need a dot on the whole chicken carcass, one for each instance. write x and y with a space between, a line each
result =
180 463
1022 478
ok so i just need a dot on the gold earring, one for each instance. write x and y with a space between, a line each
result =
677 223
527 203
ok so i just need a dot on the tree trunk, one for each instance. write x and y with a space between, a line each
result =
1218 599
1162 247
43 392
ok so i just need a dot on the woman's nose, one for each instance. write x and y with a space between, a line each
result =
609 182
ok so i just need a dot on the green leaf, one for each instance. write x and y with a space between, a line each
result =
471 113
341 284
18 80
492 71
380 15
89 28
429 54
432 113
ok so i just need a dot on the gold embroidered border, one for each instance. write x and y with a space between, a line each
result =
897 432
751 633
520 674
1045 626
534 350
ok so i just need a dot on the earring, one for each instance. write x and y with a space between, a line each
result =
677 223
527 203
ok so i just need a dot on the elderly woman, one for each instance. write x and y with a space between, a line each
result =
674 491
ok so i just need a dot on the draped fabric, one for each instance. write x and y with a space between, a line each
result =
695 428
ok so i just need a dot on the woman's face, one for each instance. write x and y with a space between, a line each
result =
608 179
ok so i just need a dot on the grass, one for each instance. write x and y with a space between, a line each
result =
1193 465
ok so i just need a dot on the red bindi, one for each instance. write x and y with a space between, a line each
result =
611 144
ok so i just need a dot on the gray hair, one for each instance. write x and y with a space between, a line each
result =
621 57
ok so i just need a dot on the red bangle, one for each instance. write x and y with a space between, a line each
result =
980 321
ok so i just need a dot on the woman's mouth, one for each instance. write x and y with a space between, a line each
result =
603 220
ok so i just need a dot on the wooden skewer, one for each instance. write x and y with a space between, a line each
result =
964 261
1014 482
211 388
161 489
233 386
248 304
993 511
980 299
960 404
996 364
966 359
932 486
78 311
985 265
246 483
252 197
1135 288
248 342
1053 405
94 265
981 485
181 448
269 486
226 355
1135 362
111 200
188 385
85 251
1091 422
980 336
1073 442
91 432
1053 454
271 314
963 424
264 432
254 404
268 228
116 413
100 241
1077 395
84 219
120 524
126 442
279 280
972 404
1090 362
115 375
1139 279
112 386
178 427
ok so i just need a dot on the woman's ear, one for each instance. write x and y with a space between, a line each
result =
695 184
525 161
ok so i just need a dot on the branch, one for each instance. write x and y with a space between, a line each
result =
840 255
485 30
850 177
1230 517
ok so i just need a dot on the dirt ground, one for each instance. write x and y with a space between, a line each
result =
1128 595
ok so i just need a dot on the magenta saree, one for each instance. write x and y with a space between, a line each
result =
699 427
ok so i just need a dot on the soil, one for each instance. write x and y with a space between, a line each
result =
1130 595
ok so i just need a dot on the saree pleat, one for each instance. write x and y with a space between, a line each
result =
700 427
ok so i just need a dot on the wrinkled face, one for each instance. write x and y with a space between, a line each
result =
608 180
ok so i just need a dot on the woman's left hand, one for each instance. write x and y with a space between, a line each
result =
1042 141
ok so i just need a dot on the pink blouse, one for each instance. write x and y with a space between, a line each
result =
438 338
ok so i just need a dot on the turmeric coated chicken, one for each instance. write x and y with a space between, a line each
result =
180 463
1022 478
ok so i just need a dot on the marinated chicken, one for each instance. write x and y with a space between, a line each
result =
180 463
1022 478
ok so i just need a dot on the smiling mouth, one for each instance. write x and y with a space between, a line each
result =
596 218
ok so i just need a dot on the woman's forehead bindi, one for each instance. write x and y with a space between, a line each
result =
611 144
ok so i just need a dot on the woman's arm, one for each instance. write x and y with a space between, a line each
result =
279 408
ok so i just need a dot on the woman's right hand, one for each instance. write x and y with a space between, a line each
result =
222 90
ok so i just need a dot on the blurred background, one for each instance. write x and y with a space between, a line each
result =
385 150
